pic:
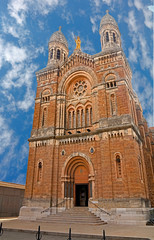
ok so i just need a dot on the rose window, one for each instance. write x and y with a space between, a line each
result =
80 88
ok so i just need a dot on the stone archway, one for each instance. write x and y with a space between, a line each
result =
78 180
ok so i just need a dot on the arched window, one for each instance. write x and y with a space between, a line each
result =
43 120
82 118
39 174
44 117
73 119
87 117
69 119
118 167
91 116
114 37
46 95
58 54
78 118
51 54
64 57
113 104
107 37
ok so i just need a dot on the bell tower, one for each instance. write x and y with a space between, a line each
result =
109 33
58 49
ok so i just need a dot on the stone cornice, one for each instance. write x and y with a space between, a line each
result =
97 131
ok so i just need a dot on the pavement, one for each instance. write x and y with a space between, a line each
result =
21 229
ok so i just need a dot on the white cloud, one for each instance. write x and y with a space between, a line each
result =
94 20
82 12
94 25
130 3
146 61
72 35
151 8
6 135
1 51
20 75
18 9
108 2
150 119
14 54
21 179
148 18
138 4
87 46
147 14
28 100
11 53
14 77
13 159
97 3
41 25
10 27
140 50
10 106
20 158
120 18
66 15
144 90
46 6
133 55
131 20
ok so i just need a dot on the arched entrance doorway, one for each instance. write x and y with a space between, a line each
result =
78 180
81 186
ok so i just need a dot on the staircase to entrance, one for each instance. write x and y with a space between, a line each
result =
76 215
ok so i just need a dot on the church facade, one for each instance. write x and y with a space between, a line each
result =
90 144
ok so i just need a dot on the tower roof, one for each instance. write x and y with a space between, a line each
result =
59 37
108 19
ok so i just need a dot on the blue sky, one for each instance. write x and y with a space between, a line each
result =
25 29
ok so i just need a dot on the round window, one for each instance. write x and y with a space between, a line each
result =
80 88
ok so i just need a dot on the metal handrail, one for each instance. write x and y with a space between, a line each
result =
99 208
45 210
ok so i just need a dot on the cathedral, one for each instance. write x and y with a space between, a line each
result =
90 144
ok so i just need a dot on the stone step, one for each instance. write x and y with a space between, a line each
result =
71 214
74 222
72 219
74 215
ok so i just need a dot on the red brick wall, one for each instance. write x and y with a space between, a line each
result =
123 139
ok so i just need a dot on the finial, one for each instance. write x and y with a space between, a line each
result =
60 28
107 11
